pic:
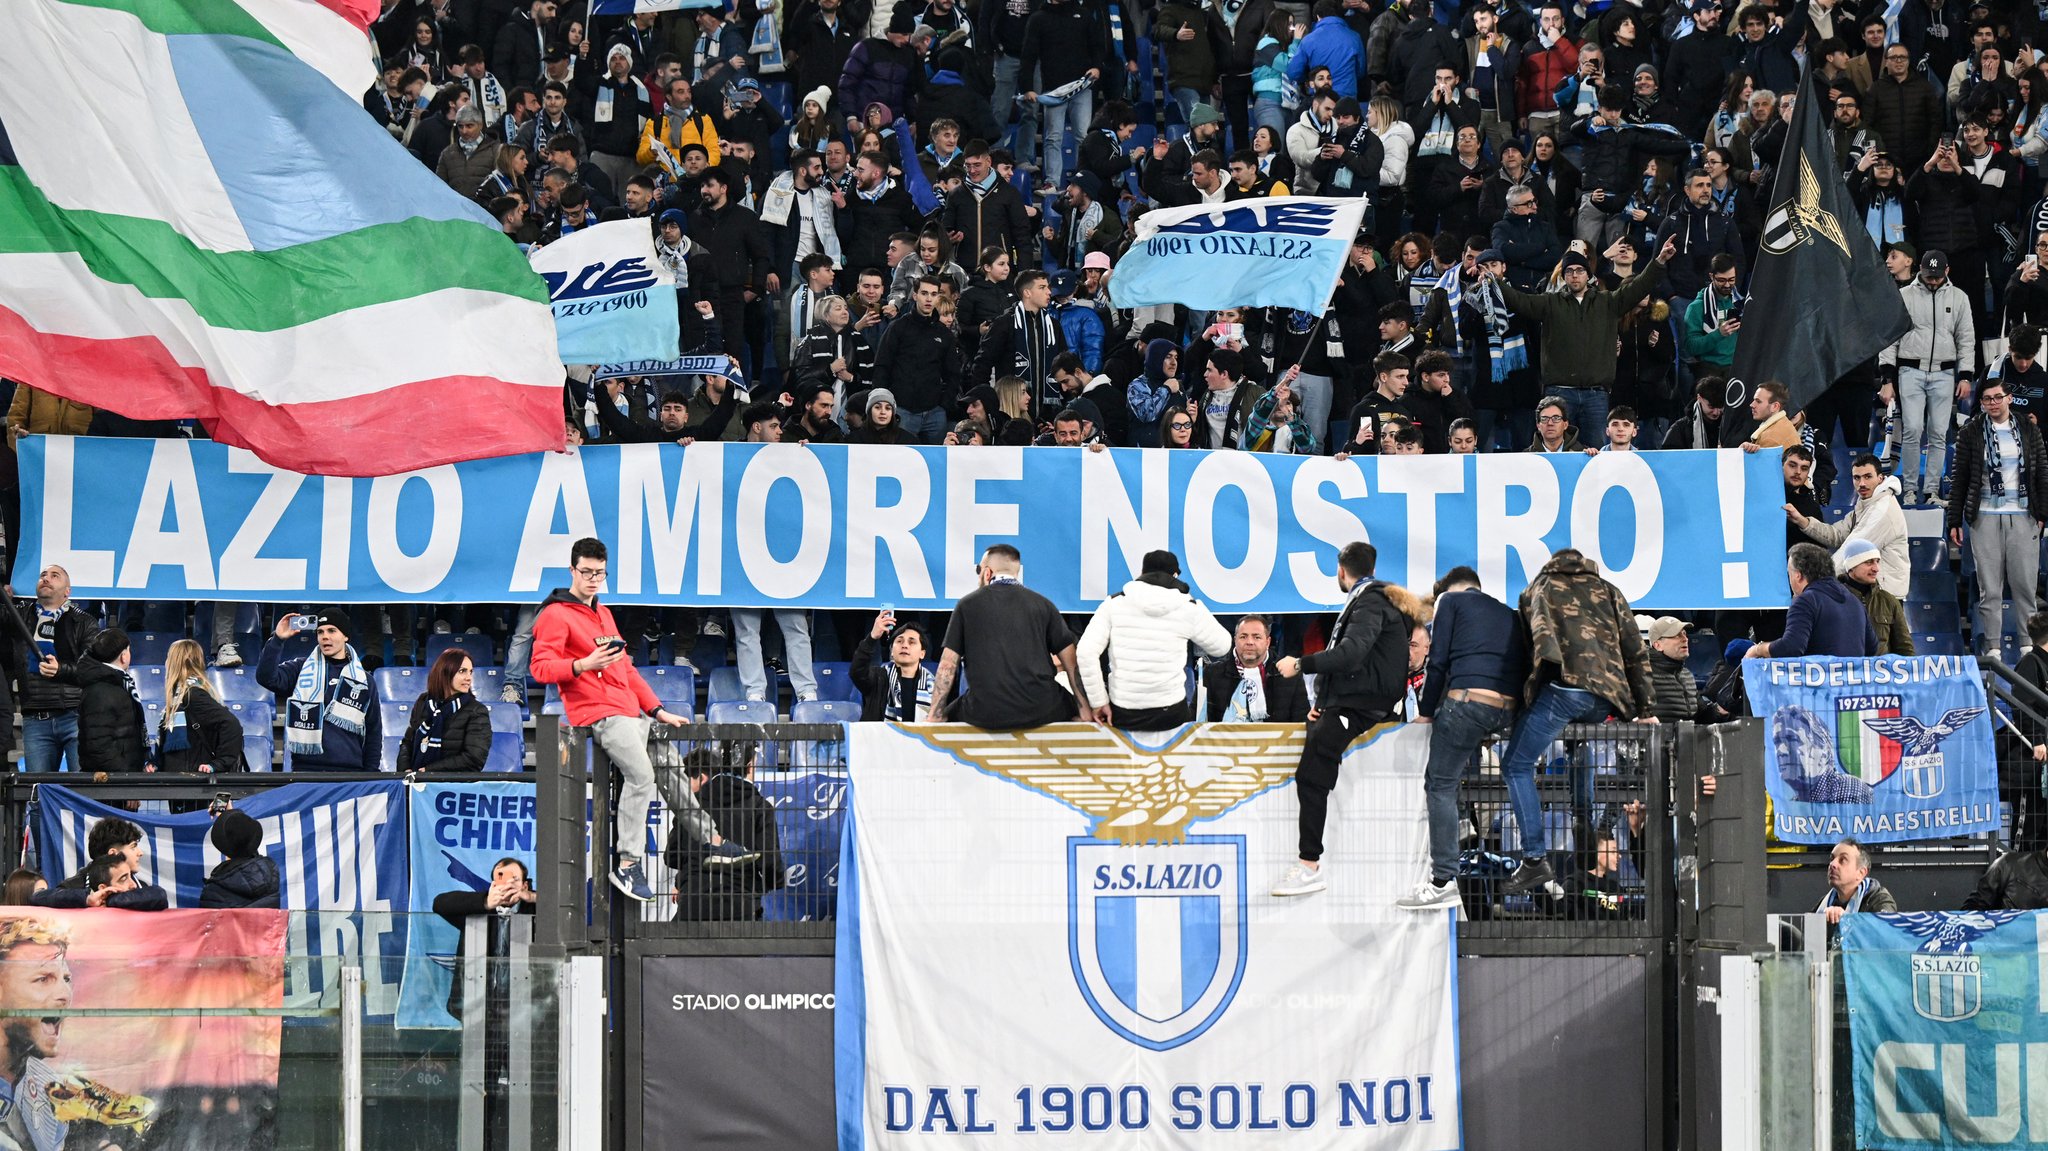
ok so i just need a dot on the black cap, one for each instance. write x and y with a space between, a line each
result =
1934 263
339 620
1348 106
1160 561
1575 260
237 835
903 21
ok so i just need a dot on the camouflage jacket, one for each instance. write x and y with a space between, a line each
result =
1582 633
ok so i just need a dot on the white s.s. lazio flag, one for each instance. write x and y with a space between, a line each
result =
635 7
1276 252
612 299
1065 938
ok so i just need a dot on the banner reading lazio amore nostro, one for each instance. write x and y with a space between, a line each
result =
859 527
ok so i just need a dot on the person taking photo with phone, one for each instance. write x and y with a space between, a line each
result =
578 648
330 718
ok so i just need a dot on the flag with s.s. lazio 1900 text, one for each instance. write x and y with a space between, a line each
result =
1279 252
199 220
1886 749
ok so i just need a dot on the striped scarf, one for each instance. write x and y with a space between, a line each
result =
308 710
1855 904
1454 295
1504 348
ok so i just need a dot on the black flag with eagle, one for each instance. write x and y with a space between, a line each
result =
1820 299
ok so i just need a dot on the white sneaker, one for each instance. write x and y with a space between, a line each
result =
441 627
713 627
510 694
1301 879
1428 896
228 656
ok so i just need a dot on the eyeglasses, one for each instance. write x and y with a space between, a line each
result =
1180 426
1549 419
590 573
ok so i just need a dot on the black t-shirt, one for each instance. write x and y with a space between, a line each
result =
1005 634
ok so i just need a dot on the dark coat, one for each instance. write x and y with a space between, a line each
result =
865 226
213 736
1826 619
74 630
732 237
979 219
1906 115
1969 482
821 51
339 750
742 815
872 676
1286 699
2015 881
878 72
1366 670
248 882
111 735
465 737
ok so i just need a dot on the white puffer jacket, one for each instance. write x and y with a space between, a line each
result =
1146 631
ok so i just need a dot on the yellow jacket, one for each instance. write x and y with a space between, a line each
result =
37 412
696 130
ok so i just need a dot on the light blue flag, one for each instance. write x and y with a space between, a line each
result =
612 299
1280 252
635 7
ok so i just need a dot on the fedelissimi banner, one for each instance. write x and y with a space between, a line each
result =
1951 1043
1103 962
1277 252
1886 749
791 525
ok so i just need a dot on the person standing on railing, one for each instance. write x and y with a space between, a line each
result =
331 716
578 648
1478 661
1589 663
1360 680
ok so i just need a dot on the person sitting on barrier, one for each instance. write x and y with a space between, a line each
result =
1825 618
1478 660
111 731
1010 637
331 716
900 689
110 836
577 647
244 877
1360 679
197 732
21 885
1247 687
1589 663
450 730
1146 629
1850 886
728 794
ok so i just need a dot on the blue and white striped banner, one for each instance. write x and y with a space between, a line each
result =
1281 252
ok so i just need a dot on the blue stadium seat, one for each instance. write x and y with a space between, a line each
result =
237 683
479 647
149 681
1933 617
395 716
740 711
552 705
1927 552
725 687
508 743
1938 643
1934 585
490 681
675 687
259 745
1702 660
825 711
835 681
151 646
399 684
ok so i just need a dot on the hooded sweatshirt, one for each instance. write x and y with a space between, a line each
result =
566 630
1146 628
1826 619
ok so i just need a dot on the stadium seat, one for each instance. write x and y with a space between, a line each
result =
724 688
552 705
259 746
149 681
1934 585
490 681
151 646
1933 617
237 683
395 716
825 711
480 649
740 711
508 741
675 687
399 684
1927 552
835 681
1938 643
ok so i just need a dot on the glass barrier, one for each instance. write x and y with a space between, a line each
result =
1786 991
124 1031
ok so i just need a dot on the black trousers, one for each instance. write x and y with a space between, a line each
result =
970 709
1328 735
1151 718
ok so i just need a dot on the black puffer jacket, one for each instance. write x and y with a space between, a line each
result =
1944 206
74 629
465 738
1367 668
213 736
110 726
2015 881
242 883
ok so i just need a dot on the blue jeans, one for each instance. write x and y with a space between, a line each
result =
1586 409
519 649
1075 113
1455 733
925 427
796 651
45 741
1539 727
1267 112
1927 405
1187 98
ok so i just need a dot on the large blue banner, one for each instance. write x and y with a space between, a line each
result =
1887 749
459 833
340 851
1951 1039
856 527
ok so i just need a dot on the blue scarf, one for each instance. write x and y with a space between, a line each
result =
1831 899
309 710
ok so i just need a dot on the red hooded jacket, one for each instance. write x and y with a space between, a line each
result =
566 630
